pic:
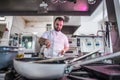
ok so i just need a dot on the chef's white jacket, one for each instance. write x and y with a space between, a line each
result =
58 42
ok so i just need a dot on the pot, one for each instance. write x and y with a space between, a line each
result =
31 68
7 54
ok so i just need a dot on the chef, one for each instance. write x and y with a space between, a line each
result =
55 41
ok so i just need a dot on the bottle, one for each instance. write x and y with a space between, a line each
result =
20 52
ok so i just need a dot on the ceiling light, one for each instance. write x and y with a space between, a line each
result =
43 4
2 18
54 1
62 1
43 7
74 1
91 1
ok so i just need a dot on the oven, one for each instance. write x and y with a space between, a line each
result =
30 43
74 43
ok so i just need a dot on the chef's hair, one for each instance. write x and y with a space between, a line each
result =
59 18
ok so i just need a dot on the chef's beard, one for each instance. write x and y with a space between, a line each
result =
57 29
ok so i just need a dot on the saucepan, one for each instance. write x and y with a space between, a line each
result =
37 68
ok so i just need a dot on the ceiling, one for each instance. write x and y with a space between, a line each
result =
37 18
31 7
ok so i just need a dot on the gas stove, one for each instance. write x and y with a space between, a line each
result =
2 75
77 74
88 72
69 77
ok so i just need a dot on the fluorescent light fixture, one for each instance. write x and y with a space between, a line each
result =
43 7
35 33
43 4
91 1
2 18
62 1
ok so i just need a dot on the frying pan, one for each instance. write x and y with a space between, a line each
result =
36 68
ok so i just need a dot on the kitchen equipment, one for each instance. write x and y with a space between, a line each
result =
68 77
54 69
73 49
14 40
30 43
79 78
104 71
2 29
7 54
63 58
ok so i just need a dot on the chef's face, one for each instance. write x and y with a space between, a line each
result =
58 24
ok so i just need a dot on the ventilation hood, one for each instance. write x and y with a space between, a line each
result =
72 23
2 29
70 29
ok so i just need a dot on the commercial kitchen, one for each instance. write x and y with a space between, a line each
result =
92 28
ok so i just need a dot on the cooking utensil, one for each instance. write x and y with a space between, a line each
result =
7 54
84 56
43 69
50 60
79 78
63 58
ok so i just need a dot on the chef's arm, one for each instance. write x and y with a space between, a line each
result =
64 50
43 41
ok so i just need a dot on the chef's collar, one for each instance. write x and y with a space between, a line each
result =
57 31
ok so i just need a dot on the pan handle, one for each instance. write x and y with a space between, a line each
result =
84 56
68 69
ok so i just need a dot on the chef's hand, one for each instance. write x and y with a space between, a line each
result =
47 43
62 52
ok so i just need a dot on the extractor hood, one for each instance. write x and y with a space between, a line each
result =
72 23
2 29
70 29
